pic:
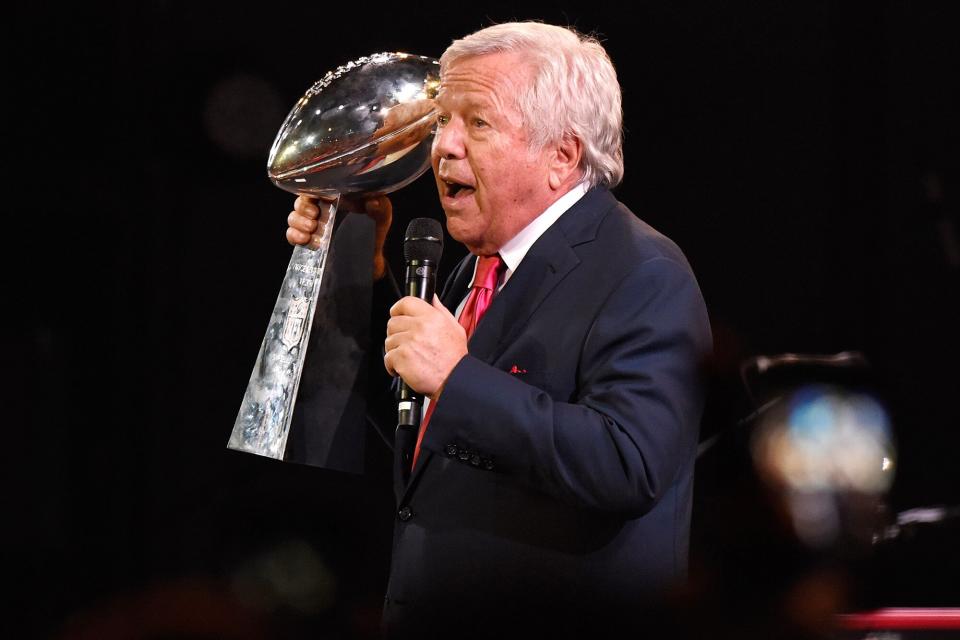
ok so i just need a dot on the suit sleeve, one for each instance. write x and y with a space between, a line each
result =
634 420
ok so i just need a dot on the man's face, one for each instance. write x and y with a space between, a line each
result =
491 186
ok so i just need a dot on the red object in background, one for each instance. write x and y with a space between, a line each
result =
901 619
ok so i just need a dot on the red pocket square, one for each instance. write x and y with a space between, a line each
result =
515 370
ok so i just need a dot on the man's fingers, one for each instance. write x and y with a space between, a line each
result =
441 308
301 223
410 306
306 207
305 222
388 364
399 324
297 237
394 341
399 358
396 354
424 343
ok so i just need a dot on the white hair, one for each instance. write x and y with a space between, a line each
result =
574 91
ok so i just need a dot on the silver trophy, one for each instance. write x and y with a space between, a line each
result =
365 128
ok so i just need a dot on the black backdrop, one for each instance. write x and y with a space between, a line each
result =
799 152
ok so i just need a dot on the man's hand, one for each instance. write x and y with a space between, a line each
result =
424 343
305 223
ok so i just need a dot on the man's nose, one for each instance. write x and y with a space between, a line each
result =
448 142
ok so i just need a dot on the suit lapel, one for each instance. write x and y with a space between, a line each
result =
456 286
546 264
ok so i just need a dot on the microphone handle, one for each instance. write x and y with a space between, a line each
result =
420 282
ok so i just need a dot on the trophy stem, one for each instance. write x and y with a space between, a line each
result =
263 422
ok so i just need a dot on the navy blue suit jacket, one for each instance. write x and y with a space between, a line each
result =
556 475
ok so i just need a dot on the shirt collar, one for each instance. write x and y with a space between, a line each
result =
517 247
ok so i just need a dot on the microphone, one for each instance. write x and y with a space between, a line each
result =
422 247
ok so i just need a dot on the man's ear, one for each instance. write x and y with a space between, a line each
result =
565 162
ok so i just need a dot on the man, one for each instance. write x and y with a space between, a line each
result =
553 477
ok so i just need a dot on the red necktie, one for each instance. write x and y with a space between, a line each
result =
484 286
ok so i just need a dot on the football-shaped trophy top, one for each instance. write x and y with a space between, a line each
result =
364 128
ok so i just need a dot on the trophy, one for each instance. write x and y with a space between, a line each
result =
363 129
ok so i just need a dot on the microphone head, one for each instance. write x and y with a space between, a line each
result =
423 240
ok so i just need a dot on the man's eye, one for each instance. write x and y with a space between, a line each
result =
477 122
443 120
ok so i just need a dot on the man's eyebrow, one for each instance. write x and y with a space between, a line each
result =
467 102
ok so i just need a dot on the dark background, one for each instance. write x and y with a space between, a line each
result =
801 153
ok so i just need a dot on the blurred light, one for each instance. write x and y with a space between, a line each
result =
816 520
829 455
828 440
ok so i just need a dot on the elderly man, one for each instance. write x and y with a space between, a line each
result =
552 476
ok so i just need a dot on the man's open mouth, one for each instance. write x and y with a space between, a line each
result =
455 189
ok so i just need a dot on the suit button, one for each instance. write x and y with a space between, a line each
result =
463 454
450 450
486 463
475 460
405 514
